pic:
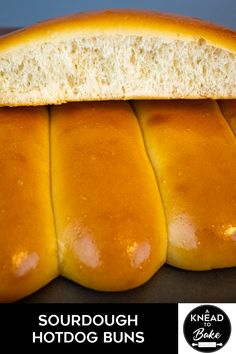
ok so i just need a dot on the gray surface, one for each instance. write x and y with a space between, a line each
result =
168 285
25 12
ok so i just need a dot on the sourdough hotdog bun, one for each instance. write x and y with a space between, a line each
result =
117 54
28 254
193 152
109 216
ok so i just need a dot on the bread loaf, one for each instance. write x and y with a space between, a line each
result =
109 216
28 254
193 152
117 54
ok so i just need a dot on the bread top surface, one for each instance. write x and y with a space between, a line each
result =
28 255
130 22
193 152
109 216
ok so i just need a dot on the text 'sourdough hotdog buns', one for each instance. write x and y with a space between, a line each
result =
104 193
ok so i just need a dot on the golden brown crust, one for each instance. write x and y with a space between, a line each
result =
28 257
193 152
130 22
228 108
109 216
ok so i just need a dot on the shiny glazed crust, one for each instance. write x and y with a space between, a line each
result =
193 152
28 254
109 216
111 230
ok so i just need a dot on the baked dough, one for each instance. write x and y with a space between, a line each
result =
109 216
193 152
28 253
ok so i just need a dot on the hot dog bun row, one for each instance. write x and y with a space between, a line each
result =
92 200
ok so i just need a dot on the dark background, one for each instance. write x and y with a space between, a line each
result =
159 323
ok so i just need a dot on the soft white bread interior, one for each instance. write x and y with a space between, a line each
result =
117 55
193 152
109 217
28 250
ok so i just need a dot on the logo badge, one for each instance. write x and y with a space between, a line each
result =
207 328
